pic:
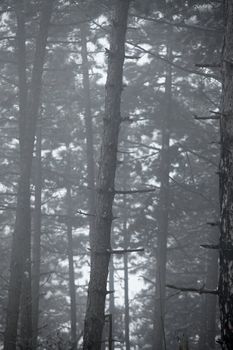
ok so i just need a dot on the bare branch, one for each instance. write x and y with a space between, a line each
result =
179 24
210 246
201 290
146 190
124 251
216 117
173 64
208 65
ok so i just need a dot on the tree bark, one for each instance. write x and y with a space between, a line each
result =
211 300
72 286
226 185
208 322
159 341
88 127
36 256
126 275
100 240
112 297
29 102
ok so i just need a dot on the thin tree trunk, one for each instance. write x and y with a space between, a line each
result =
26 304
126 276
88 127
112 297
29 107
159 342
208 322
36 257
203 324
72 286
226 185
100 240
211 300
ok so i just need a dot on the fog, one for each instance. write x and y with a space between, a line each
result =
109 180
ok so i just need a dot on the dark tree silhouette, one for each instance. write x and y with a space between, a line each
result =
226 185
100 240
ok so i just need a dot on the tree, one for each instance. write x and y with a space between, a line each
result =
29 103
226 185
100 241
164 204
36 241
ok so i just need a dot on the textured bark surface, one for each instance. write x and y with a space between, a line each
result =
100 240
29 102
70 252
226 185
88 127
163 220
36 255
211 300
126 273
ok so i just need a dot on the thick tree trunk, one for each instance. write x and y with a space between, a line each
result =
29 106
100 240
226 185
36 256
159 341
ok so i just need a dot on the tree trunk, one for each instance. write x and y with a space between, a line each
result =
208 322
111 297
211 300
126 276
226 185
36 256
159 342
29 106
100 240
88 127
72 286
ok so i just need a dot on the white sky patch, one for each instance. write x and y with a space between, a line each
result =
55 152
100 58
3 188
144 59
90 46
192 20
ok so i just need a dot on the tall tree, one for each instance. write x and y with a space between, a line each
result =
126 275
164 203
226 185
29 103
70 251
88 126
101 241
36 244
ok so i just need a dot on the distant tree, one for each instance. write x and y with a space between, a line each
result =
29 104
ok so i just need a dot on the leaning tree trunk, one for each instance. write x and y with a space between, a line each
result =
100 240
29 102
226 185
